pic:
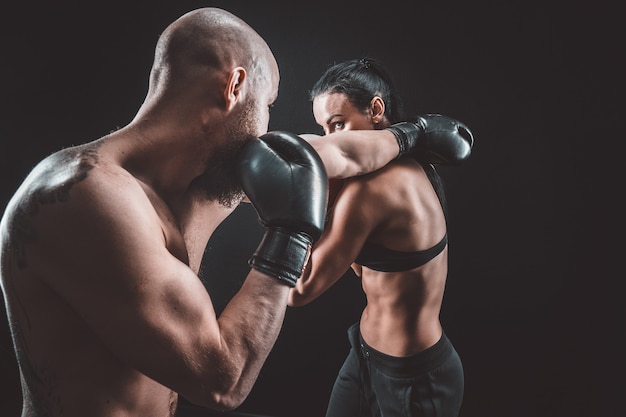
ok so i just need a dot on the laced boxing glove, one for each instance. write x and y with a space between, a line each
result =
286 182
434 139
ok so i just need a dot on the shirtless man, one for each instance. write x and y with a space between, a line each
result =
102 242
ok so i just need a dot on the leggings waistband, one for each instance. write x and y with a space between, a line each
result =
403 366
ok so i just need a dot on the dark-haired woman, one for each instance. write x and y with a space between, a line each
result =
390 227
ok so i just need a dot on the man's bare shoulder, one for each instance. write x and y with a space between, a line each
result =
70 177
74 195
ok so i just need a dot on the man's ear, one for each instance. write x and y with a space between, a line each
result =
377 109
234 87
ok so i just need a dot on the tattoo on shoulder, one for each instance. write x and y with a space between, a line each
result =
55 188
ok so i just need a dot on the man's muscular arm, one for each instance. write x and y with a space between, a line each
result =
149 308
129 281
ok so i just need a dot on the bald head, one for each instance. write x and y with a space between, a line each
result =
204 42
212 83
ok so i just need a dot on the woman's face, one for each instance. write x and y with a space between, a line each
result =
334 113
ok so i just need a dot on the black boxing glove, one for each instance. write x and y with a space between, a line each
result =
286 182
434 139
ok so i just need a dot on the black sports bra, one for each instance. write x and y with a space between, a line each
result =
379 258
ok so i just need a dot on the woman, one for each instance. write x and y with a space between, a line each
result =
390 227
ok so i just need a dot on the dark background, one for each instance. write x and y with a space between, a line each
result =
532 297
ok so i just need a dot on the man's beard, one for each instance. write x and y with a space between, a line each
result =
220 182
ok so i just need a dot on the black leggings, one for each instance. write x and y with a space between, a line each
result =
373 384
